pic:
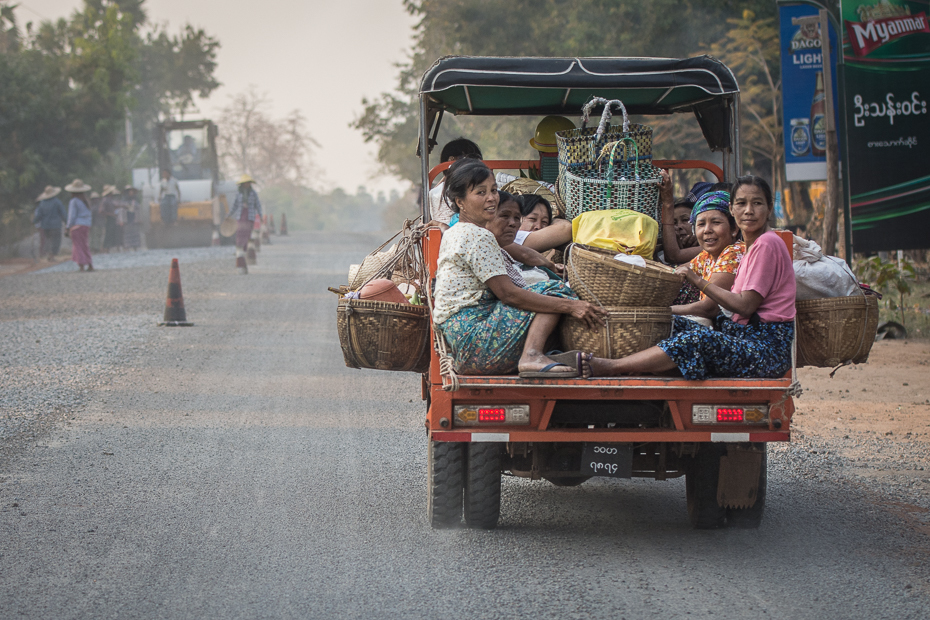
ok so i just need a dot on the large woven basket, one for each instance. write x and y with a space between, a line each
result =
580 148
599 278
383 335
836 330
628 330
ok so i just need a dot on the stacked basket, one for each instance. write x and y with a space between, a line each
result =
607 167
638 301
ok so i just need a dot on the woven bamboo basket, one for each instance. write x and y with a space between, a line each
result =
521 186
597 277
383 335
836 330
628 331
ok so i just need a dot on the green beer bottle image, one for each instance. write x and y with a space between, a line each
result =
818 122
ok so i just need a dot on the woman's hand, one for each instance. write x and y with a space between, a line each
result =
592 315
689 275
559 268
666 189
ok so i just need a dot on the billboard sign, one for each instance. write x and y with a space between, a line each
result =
886 50
803 100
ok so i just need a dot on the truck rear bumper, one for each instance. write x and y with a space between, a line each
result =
547 398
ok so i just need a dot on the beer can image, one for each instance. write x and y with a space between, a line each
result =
800 137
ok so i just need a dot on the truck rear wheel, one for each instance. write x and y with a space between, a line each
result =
483 485
701 488
750 518
446 464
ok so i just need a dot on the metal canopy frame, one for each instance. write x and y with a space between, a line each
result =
510 86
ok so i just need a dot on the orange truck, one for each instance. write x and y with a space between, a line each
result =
713 432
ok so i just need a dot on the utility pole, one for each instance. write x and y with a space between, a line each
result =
831 196
832 203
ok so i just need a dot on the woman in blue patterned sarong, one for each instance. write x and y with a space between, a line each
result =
492 325
756 340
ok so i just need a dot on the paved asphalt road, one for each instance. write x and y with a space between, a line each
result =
237 469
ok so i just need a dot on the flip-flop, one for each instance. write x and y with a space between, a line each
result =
544 373
569 358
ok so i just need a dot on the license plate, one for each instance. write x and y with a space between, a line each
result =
607 459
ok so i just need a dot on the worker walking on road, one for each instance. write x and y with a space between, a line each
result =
49 216
246 208
79 221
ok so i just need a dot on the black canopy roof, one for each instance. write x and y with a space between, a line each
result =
502 86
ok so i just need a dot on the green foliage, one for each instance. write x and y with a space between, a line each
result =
667 28
66 87
894 282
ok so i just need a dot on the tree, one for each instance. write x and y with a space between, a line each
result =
529 28
67 86
275 152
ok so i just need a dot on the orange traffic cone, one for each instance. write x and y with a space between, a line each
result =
240 263
175 316
283 232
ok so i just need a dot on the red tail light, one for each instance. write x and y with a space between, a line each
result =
730 414
492 414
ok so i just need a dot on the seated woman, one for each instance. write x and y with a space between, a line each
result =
756 340
492 325
539 230
505 226
716 232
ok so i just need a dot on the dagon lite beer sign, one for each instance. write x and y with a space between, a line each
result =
803 95
882 23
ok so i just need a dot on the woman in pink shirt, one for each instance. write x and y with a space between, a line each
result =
756 340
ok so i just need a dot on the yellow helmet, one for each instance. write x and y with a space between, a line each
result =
544 140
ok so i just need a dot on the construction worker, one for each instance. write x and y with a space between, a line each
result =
544 141
246 207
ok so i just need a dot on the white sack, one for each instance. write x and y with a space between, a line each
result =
820 276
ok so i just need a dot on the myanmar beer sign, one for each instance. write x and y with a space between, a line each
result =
886 50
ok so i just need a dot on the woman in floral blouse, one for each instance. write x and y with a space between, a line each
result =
492 325
716 232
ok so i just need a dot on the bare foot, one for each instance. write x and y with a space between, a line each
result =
90 268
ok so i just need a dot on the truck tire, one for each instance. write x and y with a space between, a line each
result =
446 464
567 481
701 487
483 485
751 518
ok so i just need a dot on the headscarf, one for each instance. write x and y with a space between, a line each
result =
711 201
698 191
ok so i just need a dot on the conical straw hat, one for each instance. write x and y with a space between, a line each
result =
77 186
50 192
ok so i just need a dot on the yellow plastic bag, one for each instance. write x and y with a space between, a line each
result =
619 230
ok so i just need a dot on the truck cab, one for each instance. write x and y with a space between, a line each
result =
713 432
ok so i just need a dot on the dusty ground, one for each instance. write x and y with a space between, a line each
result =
237 469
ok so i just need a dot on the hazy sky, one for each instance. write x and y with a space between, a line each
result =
318 56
